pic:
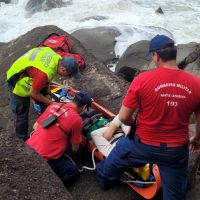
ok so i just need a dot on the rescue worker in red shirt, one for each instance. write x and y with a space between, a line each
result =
51 141
166 97
28 75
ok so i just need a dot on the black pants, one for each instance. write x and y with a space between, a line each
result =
19 107
65 169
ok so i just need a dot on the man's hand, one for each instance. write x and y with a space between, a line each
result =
126 129
114 126
39 97
194 146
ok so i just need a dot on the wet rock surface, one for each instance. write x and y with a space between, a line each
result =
134 57
99 41
159 11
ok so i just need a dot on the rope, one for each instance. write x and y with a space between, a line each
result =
65 83
85 167
93 162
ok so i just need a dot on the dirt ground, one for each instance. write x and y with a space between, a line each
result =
25 175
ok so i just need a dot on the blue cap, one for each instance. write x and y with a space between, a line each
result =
84 97
71 65
159 42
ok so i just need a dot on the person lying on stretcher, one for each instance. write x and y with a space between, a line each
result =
105 138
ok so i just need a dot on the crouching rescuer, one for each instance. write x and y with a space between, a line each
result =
58 130
28 76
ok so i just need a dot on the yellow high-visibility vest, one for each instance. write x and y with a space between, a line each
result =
42 58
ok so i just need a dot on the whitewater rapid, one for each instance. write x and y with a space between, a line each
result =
135 19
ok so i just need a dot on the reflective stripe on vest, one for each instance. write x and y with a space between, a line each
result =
42 58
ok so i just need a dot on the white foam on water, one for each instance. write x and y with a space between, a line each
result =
130 35
135 19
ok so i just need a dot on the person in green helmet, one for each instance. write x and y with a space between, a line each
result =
28 75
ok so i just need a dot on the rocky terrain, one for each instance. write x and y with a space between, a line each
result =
101 42
23 174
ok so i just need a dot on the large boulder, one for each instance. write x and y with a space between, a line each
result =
133 61
189 57
185 49
24 175
99 41
134 56
127 73
159 11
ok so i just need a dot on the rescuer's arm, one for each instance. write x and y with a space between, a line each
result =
124 115
39 97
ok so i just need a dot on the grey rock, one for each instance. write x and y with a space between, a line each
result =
189 58
127 73
2 45
99 41
159 11
184 50
134 57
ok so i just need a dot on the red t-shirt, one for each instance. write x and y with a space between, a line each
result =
40 79
52 142
166 98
